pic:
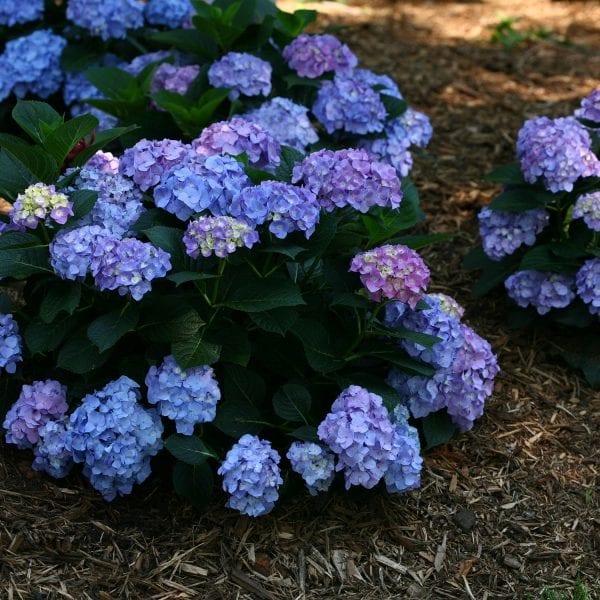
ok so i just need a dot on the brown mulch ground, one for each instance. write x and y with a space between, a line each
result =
504 510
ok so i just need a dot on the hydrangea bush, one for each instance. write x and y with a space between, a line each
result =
541 235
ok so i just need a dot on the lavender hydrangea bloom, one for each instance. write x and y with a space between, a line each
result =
106 18
251 476
174 79
544 291
558 150
198 183
380 83
104 162
237 136
169 13
347 104
359 431
404 472
217 235
348 178
524 287
503 232
392 150
31 64
314 463
187 396
392 272
37 404
71 250
448 304
10 343
40 203
128 265
244 73
50 454
590 107
115 437
587 280
587 208
424 395
312 55
286 121
415 126
14 12
139 63
147 161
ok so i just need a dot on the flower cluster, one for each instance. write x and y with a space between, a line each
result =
243 73
187 396
106 18
251 476
168 13
392 272
587 207
542 290
348 178
590 108
314 463
51 455
14 12
39 203
218 235
174 79
312 55
587 281
10 343
139 63
503 232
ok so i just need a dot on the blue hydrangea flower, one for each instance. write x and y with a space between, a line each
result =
424 395
187 396
10 343
286 121
50 453
380 83
139 63
169 13
314 463
114 437
590 107
448 304
200 183
38 403
106 18
587 207
243 73
40 203
503 232
359 431
217 235
587 281
128 265
174 79
524 287
251 476
544 291
14 12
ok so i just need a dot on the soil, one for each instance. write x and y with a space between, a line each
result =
505 510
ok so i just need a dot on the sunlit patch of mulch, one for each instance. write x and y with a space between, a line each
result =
504 511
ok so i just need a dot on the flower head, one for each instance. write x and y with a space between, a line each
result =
541 290
587 207
40 203
587 281
218 235
15 12
314 463
106 18
168 13
50 453
590 107
174 79
10 343
245 74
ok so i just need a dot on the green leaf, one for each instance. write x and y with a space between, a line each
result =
60 296
235 345
39 163
185 276
78 355
243 386
324 234
194 483
115 83
278 320
320 350
294 23
542 258
294 80
195 351
509 174
64 137
416 242
288 159
494 273
14 175
43 337
423 339
237 418
169 239
189 449
584 354
351 299
188 40
83 202
521 199
292 402
437 428
30 114
306 433
394 106
103 138
168 319
107 330
259 295
396 358
22 261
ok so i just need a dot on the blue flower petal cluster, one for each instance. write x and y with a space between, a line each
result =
174 79
243 73
587 207
590 107
200 183
139 63
51 455
286 121
587 281
169 13
544 291
380 83
449 305
128 265
423 395
106 18
503 232
251 476
115 437
10 343
187 396
217 235
14 12
314 463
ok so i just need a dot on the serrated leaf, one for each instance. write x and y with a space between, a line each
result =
235 344
188 40
115 83
62 140
42 337
260 295
292 402
236 418
521 199
83 203
102 139
394 106
14 175
306 433
186 276
21 262
320 350
168 319
78 355
437 428
108 329
189 449
242 385
509 174
30 114
278 320
195 351
289 158
194 483
542 258
59 296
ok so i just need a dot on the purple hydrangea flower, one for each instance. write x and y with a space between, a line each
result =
424 395
524 287
139 63
314 463
187 396
503 232
391 150
286 121
38 403
217 235
40 203
50 453
392 272
380 83
448 304
106 18
244 73
115 437
104 162
590 107
147 161
201 183
237 136
10 343
312 55
359 431
251 476
174 79
348 178
169 13
587 208
558 150
128 265
15 12
588 284
544 291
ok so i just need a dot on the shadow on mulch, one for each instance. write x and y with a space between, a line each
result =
504 510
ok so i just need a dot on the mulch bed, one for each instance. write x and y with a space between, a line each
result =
504 511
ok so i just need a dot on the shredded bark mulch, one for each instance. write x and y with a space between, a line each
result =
505 510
